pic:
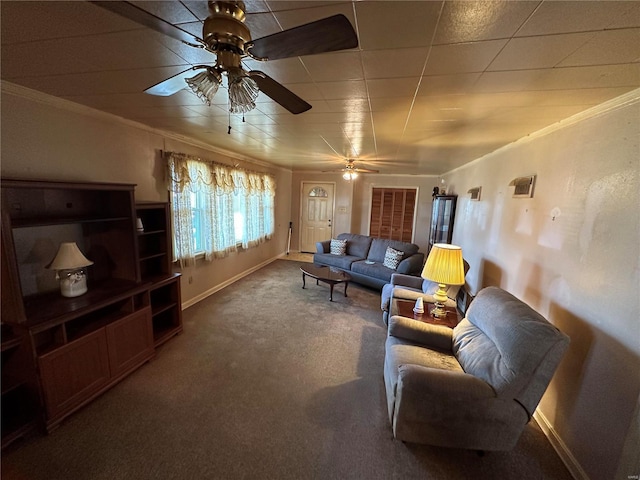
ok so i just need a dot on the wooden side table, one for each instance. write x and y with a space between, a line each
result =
404 308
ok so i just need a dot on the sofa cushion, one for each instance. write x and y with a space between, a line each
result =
340 261
392 258
375 270
379 249
338 247
357 245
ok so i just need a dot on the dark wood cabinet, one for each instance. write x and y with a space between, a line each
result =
59 353
155 251
443 212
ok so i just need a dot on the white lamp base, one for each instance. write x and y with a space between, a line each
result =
73 283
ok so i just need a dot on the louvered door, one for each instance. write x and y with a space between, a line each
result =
392 213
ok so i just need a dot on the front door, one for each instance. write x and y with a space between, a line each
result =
316 211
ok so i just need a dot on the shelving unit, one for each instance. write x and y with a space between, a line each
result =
59 353
19 401
154 247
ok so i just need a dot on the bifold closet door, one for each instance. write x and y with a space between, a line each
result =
392 213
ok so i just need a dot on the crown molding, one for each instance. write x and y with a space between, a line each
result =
625 100
60 103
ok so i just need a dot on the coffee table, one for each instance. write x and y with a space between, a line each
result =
404 308
323 273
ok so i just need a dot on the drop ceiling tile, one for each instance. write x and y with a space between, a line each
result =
626 75
158 112
463 57
389 25
392 87
464 21
172 12
351 106
334 66
508 81
72 19
569 16
627 18
538 52
343 90
443 84
406 62
607 47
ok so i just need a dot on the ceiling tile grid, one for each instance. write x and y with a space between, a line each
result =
430 86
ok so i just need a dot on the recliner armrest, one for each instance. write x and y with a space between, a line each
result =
323 247
401 280
426 334
445 384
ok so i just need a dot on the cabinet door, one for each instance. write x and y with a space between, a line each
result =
74 372
130 342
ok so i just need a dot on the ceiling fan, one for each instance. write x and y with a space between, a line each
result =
225 34
350 171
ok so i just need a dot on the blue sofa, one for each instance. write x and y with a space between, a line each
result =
365 256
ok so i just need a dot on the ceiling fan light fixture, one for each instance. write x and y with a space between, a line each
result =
205 84
350 175
243 92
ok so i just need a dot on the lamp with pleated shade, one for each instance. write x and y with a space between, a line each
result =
445 267
69 264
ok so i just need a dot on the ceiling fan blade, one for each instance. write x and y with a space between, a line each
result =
279 93
173 84
141 16
326 35
366 170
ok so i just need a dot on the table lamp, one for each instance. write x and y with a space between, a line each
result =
69 264
445 267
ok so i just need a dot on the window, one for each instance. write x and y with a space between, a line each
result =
217 209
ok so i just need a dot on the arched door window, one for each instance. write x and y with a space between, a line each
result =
318 192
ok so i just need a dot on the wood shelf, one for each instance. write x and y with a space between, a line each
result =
154 245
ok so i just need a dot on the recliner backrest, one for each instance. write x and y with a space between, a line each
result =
509 345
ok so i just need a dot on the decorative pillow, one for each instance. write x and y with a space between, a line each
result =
338 247
392 258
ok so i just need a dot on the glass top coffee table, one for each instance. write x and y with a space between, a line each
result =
330 275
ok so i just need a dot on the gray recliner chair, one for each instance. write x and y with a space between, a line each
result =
475 386
408 287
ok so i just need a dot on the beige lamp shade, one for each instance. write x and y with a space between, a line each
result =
444 265
69 257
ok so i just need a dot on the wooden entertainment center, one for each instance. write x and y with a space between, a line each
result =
60 353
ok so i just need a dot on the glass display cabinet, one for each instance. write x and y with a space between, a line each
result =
443 211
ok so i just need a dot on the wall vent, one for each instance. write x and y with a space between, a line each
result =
523 186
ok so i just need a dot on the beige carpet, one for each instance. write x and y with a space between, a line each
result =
268 381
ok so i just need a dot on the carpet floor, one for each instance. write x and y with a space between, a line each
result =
268 381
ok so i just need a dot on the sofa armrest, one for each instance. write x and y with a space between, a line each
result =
401 280
426 334
323 247
412 264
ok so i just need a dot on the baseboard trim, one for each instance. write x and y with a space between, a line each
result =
220 286
560 447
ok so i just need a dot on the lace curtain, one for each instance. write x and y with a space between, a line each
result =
229 200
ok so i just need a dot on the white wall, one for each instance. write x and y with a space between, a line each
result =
572 252
45 138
